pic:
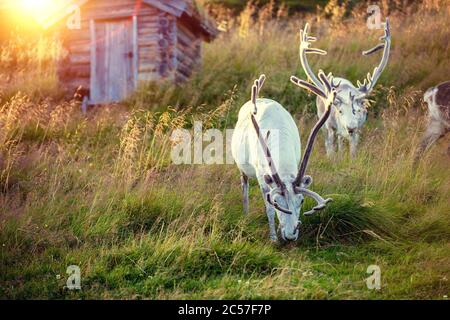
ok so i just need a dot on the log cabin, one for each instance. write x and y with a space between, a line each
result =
118 44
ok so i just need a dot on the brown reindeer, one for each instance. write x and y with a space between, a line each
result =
438 100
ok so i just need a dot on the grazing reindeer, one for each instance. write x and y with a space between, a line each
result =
283 185
438 100
350 106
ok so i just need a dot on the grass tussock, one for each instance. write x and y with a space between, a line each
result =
100 191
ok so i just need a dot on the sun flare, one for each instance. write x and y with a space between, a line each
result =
36 5
37 9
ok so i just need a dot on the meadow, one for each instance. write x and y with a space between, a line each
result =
99 190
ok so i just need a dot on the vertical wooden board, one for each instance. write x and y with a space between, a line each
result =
101 58
128 44
115 52
127 40
119 70
93 81
115 63
135 52
129 56
112 51
175 44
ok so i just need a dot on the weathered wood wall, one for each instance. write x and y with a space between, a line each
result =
167 48
75 69
188 52
157 39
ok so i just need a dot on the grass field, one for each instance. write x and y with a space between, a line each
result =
99 191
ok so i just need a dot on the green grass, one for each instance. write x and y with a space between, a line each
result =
239 5
100 191
181 233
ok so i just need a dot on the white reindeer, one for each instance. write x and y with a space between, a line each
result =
349 111
264 128
438 100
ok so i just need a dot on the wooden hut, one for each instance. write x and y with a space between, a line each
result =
121 43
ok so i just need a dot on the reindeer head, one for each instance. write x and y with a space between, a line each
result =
350 105
287 193
349 108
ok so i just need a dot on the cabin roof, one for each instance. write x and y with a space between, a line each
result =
183 9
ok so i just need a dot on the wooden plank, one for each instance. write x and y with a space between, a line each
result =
149 76
145 68
103 60
181 5
119 51
179 77
73 84
148 35
79 58
163 6
111 9
175 44
185 69
135 52
80 71
77 34
188 52
80 47
149 46
93 82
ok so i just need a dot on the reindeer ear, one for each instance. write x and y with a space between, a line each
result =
268 179
306 181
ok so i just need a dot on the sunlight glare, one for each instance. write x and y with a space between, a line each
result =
38 9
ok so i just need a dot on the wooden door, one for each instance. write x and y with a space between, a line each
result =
113 55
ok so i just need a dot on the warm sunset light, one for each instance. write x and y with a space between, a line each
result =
38 9
232 157
28 12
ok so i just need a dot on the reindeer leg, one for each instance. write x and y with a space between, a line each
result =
434 131
354 140
340 145
244 184
270 211
329 142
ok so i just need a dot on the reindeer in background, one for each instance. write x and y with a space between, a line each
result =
265 128
438 100
349 112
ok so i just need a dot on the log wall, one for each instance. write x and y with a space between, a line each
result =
167 48
188 52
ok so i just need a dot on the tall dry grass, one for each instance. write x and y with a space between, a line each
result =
100 190
419 57
28 64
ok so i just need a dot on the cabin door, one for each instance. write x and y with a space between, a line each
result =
113 60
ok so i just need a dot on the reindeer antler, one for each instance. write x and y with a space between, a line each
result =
256 88
371 80
263 141
321 202
328 94
305 43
